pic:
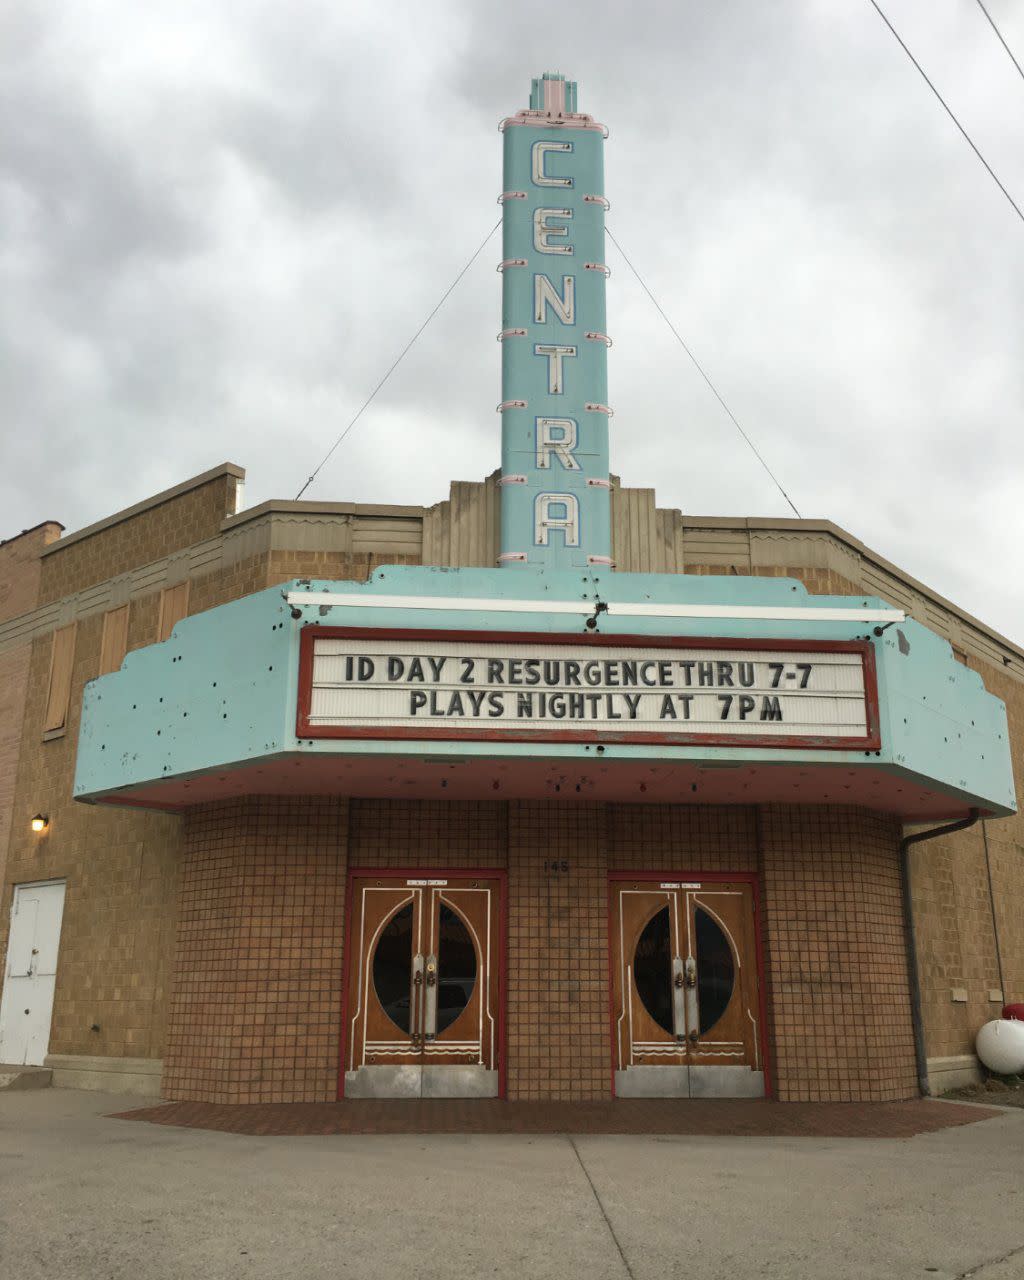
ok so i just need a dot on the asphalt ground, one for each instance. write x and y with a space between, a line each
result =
87 1197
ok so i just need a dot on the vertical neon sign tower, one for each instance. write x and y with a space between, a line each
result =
555 499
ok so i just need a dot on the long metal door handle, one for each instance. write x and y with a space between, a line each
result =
430 999
416 1000
678 998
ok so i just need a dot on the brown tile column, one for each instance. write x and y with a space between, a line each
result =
839 1001
558 1037
255 1004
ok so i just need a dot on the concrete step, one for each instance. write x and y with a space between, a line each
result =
15 1077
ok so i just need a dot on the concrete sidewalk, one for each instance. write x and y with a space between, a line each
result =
83 1197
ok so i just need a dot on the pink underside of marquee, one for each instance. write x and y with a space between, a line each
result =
612 781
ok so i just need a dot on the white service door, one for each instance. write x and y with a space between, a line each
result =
31 972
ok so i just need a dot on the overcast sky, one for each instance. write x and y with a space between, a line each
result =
220 222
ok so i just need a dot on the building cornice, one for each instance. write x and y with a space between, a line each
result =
147 504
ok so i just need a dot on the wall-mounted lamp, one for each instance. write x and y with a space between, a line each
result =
39 823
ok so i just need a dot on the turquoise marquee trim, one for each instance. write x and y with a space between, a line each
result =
222 691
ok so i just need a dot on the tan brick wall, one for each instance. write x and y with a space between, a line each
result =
839 1026
20 569
14 673
329 565
120 867
19 592
953 910
182 521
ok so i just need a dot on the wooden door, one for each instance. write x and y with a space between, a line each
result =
422 1008
685 989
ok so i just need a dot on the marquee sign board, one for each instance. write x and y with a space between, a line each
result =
368 683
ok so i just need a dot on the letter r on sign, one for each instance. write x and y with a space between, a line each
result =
556 436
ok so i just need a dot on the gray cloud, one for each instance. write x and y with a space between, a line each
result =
221 222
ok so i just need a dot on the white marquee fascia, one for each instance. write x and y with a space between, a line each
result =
586 608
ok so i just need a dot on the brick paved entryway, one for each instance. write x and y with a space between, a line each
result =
733 1117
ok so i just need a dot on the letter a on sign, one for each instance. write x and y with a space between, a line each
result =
568 519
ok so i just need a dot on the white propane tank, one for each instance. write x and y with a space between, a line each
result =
1000 1046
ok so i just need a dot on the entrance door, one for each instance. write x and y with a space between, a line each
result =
27 1005
685 990
423 988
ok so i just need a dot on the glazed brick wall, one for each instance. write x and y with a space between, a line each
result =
255 1009
558 1034
180 522
461 834
839 1024
682 838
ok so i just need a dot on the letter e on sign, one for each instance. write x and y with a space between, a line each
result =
544 231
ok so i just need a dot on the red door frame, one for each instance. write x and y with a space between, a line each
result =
743 877
418 873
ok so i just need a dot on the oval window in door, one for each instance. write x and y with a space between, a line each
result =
392 967
456 967
652 969
716 969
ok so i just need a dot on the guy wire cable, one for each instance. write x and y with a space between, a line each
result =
404 352
700 369
945 106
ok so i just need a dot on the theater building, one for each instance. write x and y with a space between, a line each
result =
541 792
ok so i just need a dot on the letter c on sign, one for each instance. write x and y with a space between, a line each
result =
537 154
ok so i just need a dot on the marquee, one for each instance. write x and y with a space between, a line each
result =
361 682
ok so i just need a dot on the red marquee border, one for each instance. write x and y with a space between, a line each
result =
311 632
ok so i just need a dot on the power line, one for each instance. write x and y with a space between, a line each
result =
404 352
948 111
700 369
991 23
